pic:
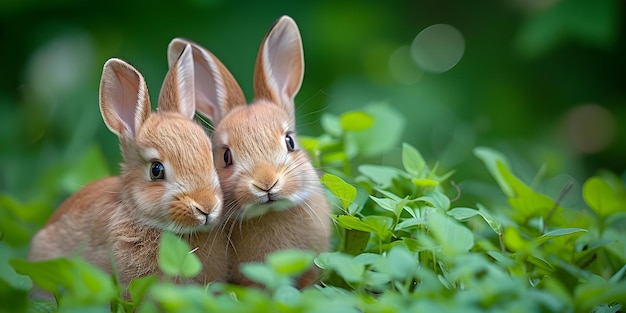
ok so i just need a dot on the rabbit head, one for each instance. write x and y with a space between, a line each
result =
260 163
168 176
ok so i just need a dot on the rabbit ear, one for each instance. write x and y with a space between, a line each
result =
178 90
124 99
280 65
217 91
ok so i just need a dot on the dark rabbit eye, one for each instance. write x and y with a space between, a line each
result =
157 171
228 158
291 145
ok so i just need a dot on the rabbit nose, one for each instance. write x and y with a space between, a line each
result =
264 178
264 187
198 208
201 213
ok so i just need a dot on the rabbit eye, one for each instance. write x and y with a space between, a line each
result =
228 158
291 145
157 171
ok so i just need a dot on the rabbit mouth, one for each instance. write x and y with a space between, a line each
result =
264 205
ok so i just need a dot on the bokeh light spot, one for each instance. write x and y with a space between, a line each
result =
59 65
590 128
402 67
438 48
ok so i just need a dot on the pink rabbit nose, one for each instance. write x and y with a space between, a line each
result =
201 214
265 187
199 210
265 178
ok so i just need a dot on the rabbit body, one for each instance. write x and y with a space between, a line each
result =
167 182
273 198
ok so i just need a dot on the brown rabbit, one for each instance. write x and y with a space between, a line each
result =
273 197
168 182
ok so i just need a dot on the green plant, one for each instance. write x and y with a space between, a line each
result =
401 245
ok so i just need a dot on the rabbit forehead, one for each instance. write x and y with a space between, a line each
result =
182 143
257 128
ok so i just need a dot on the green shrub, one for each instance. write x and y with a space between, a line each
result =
400 245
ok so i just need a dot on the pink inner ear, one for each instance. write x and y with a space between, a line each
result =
281 54
185 84
283 62
209 93
126 96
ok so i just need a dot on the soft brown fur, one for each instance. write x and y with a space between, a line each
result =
122 218
263 167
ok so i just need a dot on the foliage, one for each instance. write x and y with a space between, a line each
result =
401 245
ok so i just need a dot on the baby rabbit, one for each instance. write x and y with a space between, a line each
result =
168 182
273 197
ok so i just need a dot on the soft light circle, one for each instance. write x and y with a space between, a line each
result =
438 48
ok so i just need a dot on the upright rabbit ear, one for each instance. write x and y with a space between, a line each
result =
124 99
280 65
217 91
178 89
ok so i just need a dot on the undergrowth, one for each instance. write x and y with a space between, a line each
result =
400 245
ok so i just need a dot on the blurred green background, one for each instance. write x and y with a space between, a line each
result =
541 80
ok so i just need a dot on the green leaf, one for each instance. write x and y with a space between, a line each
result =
491 159
491 221
79 281
331 124
345 192
501 258
48 275
463 214
561 232
424 182
523 199
368 258
180 298
311 145
383 135
343 264
410 223
381 175
381 225
7 273
260 273
19 220
389 205
356 121
602 198
373 224
139 286
514 240
290 262
353 222
354 241
398 263
436 199
412 160
176 258
453 237
287 295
